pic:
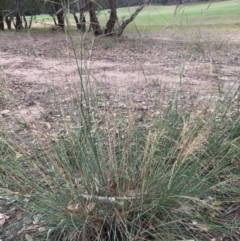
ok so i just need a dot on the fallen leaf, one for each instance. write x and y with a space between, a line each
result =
4 112
30 228
18 155
73 207
186 240
48 125
2 219
42 229
90 206
28 237
37 219
201 226
19 216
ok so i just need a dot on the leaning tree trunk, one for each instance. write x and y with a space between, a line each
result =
54 19
77 21
25 22
30 22
131 18
112 18
1 22
93 18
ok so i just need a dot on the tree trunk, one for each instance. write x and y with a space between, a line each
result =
94 23
8 22
30 22
93 18
112 18
59 13
82 20
18 21
60 18
25 22
1 22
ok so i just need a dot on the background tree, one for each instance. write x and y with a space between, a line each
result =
15 11
4 7
59 6
19 14
58 9
1 15
1 20
80 7
112 18
93 18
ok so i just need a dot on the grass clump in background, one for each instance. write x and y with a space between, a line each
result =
175 177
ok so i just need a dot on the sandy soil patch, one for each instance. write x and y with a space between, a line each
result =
32 65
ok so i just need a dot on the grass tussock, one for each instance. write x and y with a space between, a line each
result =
171 178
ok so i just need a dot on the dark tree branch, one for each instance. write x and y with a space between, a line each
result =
129 20
77 21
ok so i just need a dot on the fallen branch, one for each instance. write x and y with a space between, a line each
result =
144 108
106 199
31 228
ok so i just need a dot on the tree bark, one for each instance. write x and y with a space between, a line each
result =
94 23
18 21
30 22
25 22
8 22
112 18
93 18
1 22
60 18
82 20
131 18
59 13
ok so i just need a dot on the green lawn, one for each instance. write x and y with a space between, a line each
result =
224 14
218 14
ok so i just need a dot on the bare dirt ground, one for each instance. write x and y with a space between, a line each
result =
142 70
